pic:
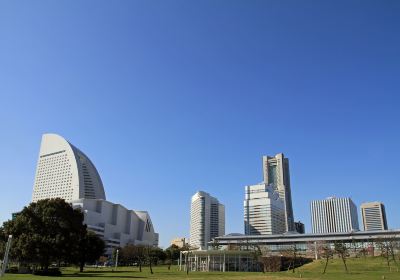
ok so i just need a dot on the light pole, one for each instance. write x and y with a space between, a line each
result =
116 259
5 261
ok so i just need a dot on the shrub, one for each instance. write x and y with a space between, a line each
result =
50 272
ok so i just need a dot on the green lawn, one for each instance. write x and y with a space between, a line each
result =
370 268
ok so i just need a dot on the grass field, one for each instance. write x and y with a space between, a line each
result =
370 268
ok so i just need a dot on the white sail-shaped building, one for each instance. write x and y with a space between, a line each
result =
63 171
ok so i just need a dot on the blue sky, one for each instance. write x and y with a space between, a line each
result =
171 97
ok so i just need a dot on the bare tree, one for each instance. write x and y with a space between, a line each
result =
326 254
388 246
343 252
188 250
294 252
256 254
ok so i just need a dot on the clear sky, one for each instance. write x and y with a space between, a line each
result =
171 97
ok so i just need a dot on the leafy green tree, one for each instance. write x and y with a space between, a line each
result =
172 254
157 255
2 241
127 254
137 253
44 232
90 248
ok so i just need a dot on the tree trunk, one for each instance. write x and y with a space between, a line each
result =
186 262
81 266
345 265
140 266
151 269
326 265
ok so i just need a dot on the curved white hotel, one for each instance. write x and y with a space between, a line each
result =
63 171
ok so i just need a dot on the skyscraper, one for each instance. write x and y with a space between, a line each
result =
264 210
63 171
334 215
276 173
374 216
207 219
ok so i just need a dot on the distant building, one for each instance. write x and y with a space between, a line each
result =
309 244
276 173
264 210
334 215
14 215
207 219
63 171
299 226
179 242
374 216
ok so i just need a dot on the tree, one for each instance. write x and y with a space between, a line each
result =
326 254
388 245
90 248
215 244
127 254
342 251
158 255
261 255
293 252
172 254
3 241
149 257
44 232
188 250
132 254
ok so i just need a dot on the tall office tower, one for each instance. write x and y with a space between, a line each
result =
334 215
207 219
276 172
63 171
374 216
264 210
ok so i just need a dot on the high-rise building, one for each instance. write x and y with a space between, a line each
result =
374 216
276 173
207 219
299 226
63 171
264 210
334 215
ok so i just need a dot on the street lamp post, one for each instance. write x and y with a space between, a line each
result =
5 261
116 260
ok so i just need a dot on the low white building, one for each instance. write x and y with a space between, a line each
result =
63 171
117 225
